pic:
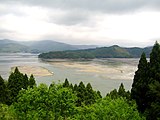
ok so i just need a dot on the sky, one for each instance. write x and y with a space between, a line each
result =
125 23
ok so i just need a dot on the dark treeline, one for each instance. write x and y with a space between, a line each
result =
103 52
21 99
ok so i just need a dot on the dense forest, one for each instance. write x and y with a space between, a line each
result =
22 99
102 52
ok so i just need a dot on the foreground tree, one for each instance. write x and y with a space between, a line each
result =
2 91
31 82
43 103
146 84
6 113
15 84
140 84
109 109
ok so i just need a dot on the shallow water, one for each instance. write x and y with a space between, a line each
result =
103 74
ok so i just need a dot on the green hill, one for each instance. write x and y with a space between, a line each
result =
103 52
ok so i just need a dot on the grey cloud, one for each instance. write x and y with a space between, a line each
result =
79 11
71 18
109 6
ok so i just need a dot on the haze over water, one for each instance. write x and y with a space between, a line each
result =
103 74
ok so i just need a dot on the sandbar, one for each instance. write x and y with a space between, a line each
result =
35 70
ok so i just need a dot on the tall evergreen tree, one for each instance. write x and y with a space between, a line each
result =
15 84
75 87
2 91
90 96
66 83
99 94
140 84
155 63
81 90
31 81
25 81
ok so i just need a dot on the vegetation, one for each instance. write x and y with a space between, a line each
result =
103 52
146 85
21 99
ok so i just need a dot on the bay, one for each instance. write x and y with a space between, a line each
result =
103 74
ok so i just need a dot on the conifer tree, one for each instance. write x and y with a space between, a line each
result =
2 91
155 63
31 81
121 90
15 84
71 86
140 84
99 94
90 96
81 90
25 81
66 83
75 87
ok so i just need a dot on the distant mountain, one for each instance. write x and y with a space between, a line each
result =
12 46
49 45
102 52
70 51
37 46
85 46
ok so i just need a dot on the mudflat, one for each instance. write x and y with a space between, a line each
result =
35 70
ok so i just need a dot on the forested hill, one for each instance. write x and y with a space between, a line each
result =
12 46
102 52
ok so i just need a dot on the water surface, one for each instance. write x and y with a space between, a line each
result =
103 74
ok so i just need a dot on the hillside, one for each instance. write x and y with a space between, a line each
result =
102 52
11 46
48 45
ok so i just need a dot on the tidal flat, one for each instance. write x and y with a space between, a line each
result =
103 74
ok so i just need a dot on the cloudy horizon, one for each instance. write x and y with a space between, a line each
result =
107 22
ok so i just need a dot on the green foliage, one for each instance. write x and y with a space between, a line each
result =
6 112
66 83
146 84
31 82
140 84
3 91
33 104
86 95
16 82
152 112
25 81
45 103
109 109
114 94
65 102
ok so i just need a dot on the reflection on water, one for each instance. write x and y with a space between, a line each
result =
103 74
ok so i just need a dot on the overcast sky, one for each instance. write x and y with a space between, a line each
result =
97 22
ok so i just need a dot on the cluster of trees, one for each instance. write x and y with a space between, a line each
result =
16 82
146 84
21 99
